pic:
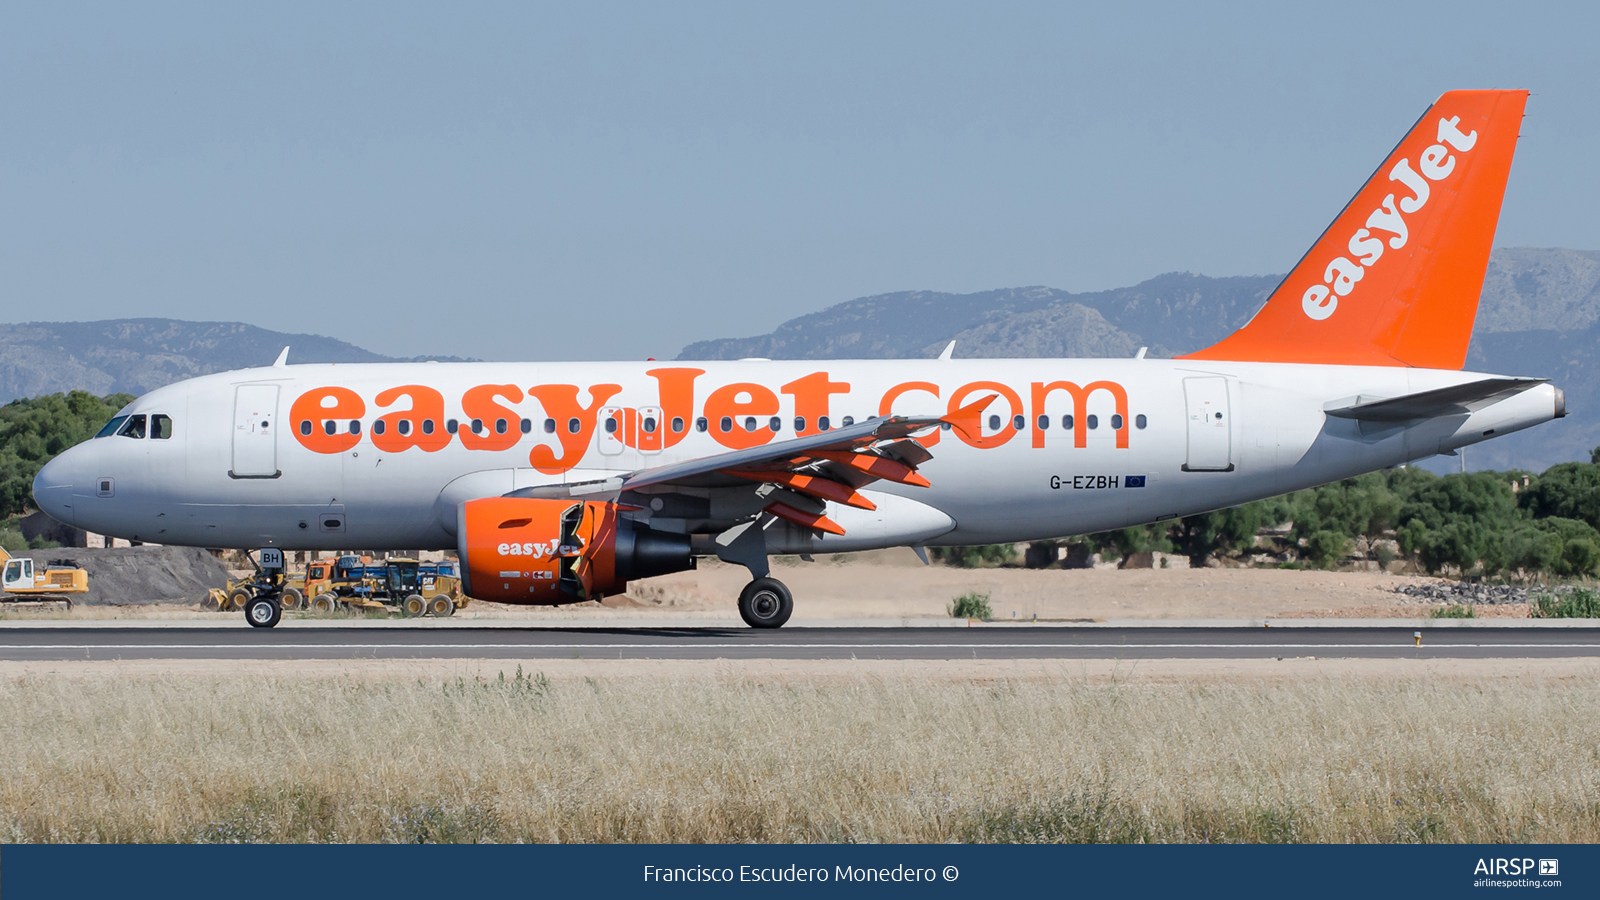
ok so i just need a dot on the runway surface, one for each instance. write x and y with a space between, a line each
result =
1038 642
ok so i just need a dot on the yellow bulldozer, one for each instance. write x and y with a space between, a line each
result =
55 582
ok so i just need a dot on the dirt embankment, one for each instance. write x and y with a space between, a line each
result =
895 583
135 576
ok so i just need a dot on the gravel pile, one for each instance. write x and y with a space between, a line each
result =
1465 593
133 576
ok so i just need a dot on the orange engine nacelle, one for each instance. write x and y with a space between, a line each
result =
526 550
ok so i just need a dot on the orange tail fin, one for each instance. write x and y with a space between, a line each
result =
1394 281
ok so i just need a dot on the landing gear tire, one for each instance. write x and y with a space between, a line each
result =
325 603
292 599
765 603
441 606
414 605
263 612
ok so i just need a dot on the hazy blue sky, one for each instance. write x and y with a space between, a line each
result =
614 181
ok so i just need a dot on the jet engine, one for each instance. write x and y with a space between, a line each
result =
530 550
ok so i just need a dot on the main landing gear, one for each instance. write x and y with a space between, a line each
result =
765 603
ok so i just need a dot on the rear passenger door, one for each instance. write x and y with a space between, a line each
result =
1209 424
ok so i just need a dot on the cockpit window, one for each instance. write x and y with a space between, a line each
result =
111 427
160 427
133 428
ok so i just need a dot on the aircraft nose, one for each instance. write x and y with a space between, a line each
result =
52 490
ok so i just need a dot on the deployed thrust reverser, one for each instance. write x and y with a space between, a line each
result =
529 550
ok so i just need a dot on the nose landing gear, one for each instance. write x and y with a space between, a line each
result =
263 612
765 603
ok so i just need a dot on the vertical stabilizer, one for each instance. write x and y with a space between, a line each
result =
1394 281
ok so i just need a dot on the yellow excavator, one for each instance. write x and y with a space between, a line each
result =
55 582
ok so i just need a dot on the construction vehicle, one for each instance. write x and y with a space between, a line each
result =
396 584
442 580
21 584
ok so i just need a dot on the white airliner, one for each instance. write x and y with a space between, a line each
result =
558 482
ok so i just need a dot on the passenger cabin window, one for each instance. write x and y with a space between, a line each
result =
994 423
677 424
1044 423
161 427
1116 422
1140 421
574 426
111 427
404 425
701 424
799 424
1094 422
378 426
822 423
649 424
355 426
549 426
774 423
1066 423
134 427
726 424
500 426
527 426
1018 423
849 420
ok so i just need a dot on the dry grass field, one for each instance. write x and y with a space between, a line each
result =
862 753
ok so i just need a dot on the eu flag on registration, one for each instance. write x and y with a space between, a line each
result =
1133 481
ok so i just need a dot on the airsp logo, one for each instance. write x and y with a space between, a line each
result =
1502 866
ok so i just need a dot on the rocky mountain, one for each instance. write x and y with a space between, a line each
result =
1168 313
1539 315
137 355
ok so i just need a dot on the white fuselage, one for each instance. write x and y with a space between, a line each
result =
236 470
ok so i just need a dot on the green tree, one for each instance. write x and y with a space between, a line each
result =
1568 490
1198 537
1554 544
1463 520
973 556
33 431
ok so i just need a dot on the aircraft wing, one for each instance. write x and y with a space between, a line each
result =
1454 400
830 465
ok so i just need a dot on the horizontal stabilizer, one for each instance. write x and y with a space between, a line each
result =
1449 401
